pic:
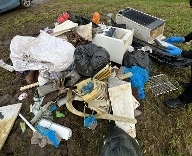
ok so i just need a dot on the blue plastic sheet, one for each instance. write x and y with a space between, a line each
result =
138 79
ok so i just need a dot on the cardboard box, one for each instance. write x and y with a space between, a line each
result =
116 45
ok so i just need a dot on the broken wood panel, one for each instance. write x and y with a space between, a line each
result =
122 105
8 115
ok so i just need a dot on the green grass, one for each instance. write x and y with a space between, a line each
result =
160 130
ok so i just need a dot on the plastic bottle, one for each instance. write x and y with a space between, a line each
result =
96 18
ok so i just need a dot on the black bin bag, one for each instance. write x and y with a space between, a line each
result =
118 143
90 58
138 58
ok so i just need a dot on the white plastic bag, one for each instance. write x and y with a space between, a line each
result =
45 53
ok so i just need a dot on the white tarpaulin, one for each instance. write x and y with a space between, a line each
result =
45 53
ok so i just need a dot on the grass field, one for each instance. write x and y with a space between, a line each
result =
160 130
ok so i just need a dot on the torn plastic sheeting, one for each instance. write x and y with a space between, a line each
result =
45 53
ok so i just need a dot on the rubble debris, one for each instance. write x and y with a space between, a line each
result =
9 113
76 54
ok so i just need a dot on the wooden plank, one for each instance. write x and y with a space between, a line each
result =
8 116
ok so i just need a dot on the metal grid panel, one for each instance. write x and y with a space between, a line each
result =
160 84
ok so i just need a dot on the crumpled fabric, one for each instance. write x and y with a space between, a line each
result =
45 53
138 79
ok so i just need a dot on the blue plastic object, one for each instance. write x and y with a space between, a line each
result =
90 120
49 134
173 50
138 79
175 39
88 88
52 108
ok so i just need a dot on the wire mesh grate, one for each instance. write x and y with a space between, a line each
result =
160 84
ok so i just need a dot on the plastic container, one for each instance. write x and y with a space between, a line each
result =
96 18
116 45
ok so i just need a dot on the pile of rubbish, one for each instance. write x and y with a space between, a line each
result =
83 60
